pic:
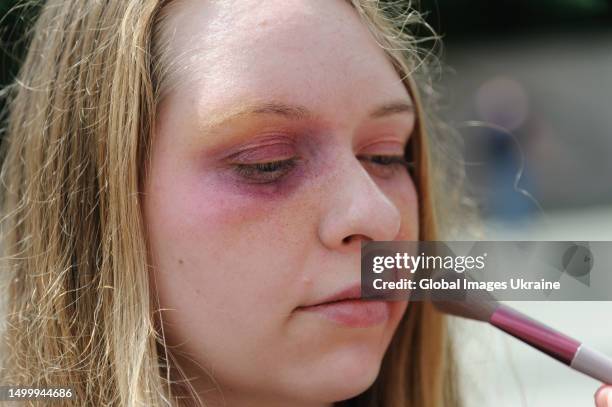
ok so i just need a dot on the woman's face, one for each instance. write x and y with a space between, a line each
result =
244 247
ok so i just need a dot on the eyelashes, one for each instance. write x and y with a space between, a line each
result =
383 166
387 166
267 172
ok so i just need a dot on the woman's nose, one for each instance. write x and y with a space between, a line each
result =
355 208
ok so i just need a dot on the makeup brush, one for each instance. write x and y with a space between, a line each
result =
483 307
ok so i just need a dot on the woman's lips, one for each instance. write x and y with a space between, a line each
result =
353 312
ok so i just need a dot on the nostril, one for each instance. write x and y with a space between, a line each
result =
356 238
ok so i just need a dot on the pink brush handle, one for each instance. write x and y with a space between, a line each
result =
561 347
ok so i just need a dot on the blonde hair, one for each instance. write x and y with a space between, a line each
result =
78 310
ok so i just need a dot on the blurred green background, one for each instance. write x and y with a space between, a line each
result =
14 23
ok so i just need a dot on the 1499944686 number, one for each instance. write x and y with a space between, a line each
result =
14 393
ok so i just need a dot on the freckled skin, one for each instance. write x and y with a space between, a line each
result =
249 254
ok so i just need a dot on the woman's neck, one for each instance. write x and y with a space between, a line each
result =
216 398
212 394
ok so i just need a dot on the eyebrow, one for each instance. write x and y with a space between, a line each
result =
296 112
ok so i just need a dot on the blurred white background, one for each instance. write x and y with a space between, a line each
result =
498 370
543 71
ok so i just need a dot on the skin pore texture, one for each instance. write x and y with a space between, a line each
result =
239 243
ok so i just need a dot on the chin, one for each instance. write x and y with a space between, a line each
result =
348 372
348 364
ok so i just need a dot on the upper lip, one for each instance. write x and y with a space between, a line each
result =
351 292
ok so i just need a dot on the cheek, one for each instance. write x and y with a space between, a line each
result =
217 250
205 234
228 267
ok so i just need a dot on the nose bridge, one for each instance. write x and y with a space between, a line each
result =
355 206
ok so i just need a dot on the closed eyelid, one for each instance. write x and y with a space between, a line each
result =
233 123
265 152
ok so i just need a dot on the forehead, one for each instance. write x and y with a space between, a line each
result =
311 52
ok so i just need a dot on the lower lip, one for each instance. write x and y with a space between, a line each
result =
353 313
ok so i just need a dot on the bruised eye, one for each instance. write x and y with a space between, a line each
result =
386 166
265 172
